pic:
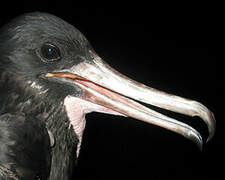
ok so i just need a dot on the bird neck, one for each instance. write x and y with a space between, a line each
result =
17 98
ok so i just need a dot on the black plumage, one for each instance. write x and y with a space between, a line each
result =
50 77
22 89
25 152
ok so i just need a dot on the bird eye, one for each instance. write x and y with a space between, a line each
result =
50 52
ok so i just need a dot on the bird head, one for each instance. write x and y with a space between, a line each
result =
55 59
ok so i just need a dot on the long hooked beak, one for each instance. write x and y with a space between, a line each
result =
105 86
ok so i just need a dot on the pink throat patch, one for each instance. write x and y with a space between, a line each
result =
76 110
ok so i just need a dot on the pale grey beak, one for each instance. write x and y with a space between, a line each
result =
105 86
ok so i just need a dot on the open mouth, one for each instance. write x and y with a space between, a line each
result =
105 86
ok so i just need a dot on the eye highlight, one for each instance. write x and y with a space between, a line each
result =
50 52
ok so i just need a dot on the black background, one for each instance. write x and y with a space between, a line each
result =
174 51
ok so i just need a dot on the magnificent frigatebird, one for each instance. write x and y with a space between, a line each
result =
50 77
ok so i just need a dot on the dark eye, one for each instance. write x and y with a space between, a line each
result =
50 52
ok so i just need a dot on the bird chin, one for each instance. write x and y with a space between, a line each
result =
76 109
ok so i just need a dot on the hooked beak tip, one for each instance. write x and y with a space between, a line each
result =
107 87
207 116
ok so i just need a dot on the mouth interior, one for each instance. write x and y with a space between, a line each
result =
124 105
96 87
